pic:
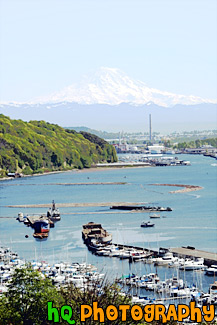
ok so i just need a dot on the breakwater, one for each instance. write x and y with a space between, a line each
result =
67 184
185 188
69 205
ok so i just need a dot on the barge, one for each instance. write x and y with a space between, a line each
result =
95 231
140 207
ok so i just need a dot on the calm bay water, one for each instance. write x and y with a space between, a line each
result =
193 220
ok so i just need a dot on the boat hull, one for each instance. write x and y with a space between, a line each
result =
107 239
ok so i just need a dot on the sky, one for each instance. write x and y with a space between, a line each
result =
47 45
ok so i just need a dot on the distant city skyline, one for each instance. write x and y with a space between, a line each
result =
49 45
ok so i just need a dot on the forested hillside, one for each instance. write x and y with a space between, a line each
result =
196 144
37 146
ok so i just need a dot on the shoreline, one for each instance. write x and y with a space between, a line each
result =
33 175
91 169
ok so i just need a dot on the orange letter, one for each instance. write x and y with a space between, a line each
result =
160 311
124 309
136 312
149 313
171 313
111 312
85 315
182 315
209 314
97 311
195 311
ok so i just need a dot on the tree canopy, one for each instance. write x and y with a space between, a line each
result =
26 301
27 297
37 146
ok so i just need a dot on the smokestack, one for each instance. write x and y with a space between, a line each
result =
150 137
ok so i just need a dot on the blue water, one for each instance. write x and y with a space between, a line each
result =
193 220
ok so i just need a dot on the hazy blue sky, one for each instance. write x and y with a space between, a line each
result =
47 44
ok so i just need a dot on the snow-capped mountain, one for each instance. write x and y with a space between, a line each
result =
112 87
111 101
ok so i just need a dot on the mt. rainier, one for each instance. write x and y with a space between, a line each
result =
110 100
112 87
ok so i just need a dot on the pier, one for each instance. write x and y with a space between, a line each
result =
209 258
124 164
121 246
185 252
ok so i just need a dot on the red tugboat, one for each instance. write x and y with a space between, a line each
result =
41 229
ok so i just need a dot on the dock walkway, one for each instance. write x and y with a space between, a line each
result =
209 258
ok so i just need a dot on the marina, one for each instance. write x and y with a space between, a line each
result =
147 160
81 275
207 258
108 162
148 288
192 221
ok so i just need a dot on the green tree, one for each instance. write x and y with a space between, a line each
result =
86 162
27 171
109 295
27 297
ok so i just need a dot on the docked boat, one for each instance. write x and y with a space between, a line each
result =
212 270
20 217
41 226
190 265
41 229
94 245
147 224
138 256
94 230
53 213
167 259
213 288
